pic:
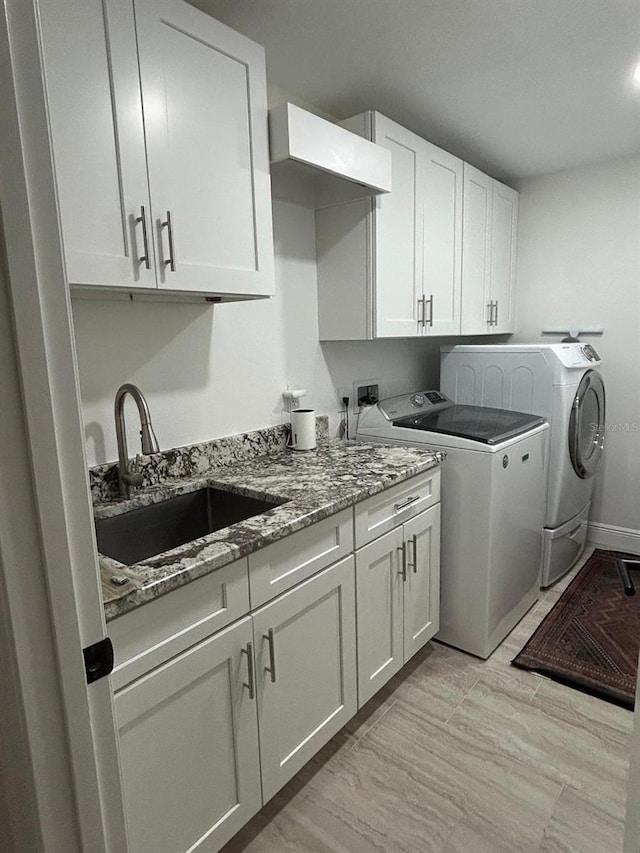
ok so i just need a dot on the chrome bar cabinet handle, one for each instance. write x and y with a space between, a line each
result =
422 314
490 311
269 637
145 239
403 564
430 304
414 565
251 678
495 319
171 260
405 504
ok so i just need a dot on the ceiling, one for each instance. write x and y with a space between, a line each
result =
515 87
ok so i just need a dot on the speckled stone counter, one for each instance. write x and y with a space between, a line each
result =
309 485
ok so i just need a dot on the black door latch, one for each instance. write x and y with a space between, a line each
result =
98 660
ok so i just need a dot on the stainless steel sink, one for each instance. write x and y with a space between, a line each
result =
150 530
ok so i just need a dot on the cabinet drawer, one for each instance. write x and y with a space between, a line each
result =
283 564
380 513
151 634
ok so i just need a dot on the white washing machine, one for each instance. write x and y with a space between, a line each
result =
561 382
493 482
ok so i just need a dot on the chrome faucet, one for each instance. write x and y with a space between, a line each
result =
127 477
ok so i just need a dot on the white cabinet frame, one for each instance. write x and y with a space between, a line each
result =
158 127
489 251
398 598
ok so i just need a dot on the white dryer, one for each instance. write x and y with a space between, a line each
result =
562 383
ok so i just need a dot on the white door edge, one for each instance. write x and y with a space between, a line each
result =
60 522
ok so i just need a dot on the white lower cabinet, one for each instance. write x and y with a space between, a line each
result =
189 747
398 598
214 718
305 671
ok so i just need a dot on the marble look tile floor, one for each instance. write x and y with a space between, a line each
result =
456 754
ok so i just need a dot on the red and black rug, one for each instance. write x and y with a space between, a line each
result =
591 638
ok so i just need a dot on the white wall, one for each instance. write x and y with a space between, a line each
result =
209 371
579 265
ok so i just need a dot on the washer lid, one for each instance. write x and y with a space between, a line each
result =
587 425
479 423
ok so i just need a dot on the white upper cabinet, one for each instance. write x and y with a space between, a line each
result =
158 122
441 232
397 220
393 264
504 235
204 96
488 254
97 135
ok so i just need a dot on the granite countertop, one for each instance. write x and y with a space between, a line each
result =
309 486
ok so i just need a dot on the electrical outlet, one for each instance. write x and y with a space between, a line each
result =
342 392
365 392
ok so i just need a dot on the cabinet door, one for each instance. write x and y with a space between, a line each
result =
379 582
189 748
97 137
422 588
476 252
205 113
503 254
441 232
397 283
306 671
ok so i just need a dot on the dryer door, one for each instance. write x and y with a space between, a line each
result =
587 425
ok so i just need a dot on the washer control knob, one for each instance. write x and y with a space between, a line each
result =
417 400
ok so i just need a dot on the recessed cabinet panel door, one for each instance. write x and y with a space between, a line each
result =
422 588
397 284
379 613
205 113
305 670
503 253
189 748
441 239
95 119
476 252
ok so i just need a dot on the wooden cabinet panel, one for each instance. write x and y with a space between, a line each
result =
503 254
150 635
382 512
284 564
408 243
158 121
488 254
398 598
379 614
305 671
441 199
422 587
204 99
436 256
189 748
97 137
398 239
476 251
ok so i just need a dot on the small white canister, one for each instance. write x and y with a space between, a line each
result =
303 429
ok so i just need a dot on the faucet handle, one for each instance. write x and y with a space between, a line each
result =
133 475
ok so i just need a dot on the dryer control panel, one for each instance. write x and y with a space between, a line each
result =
576 354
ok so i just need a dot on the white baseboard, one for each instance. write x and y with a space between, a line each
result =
618 538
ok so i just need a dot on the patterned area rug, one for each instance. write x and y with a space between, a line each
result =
591 637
